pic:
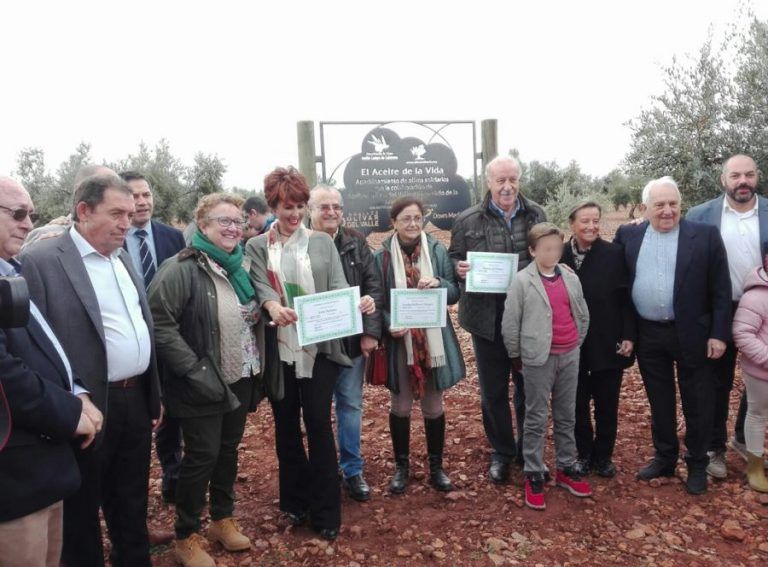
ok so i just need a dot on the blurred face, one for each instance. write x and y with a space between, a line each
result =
663 208
547 252
290 215
256 221
586 226
740 179
224 226
105 226
504 183
13 232
142 198
326 211
408 224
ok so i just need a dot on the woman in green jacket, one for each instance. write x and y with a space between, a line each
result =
205 311
422 362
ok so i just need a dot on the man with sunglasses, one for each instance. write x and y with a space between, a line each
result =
327 215
48 407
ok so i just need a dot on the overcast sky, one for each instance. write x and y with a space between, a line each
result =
233 78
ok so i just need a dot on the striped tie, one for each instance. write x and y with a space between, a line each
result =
147 262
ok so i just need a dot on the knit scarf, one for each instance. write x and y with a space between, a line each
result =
424 347
289 271
230 262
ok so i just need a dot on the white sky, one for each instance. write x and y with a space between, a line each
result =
233 78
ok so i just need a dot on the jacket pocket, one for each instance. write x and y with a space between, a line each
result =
203 385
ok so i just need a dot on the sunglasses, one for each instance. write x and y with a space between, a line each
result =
20 214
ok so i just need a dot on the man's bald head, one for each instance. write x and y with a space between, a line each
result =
14 200
10 184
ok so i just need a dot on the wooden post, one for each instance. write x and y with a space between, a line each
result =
489 149
305 130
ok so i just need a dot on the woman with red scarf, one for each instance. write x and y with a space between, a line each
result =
422 362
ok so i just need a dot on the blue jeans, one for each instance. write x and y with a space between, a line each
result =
348 395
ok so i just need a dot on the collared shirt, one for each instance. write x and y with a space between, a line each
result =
741 235
126 332
499 211
12 269
132 244
654 288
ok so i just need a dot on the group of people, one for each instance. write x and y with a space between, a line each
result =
135 329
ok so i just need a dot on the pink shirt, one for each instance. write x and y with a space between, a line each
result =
565 335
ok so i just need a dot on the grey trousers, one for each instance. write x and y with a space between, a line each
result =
402 402
556 380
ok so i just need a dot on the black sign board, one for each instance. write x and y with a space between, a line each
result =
389 166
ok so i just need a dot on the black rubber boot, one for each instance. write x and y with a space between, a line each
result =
435 430
400 430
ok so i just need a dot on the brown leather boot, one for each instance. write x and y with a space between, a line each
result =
228 534
756 473
190 553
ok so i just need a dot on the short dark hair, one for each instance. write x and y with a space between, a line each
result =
133 175
541 230
256 203
91 191
403 202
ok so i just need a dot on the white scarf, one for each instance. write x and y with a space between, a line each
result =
290 261
434 334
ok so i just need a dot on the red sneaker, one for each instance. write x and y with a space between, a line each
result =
534 492
572 483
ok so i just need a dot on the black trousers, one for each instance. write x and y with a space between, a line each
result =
209 465
724 368
493 369
308 483
115 476
738 430
658 354
168 448
602 387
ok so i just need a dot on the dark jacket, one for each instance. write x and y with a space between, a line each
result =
479 229
357 263
182 297
605 282
442 267
37 466
702 294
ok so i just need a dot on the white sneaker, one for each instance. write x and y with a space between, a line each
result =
716 467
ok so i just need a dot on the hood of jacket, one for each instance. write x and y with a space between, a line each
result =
756 278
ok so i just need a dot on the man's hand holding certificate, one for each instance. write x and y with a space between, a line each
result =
490 272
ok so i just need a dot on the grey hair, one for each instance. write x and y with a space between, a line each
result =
726 162
666 180
323 187
501 159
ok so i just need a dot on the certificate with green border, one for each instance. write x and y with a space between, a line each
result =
328 315
490 272
417 308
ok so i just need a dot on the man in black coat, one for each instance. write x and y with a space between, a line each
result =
681 291
37 466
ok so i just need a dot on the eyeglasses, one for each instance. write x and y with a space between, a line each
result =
20 214
329 208
408 220
225 222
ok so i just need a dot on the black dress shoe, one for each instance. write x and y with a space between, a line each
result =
697 481
296 518
357 487
606 469
499 472
328 533
655 469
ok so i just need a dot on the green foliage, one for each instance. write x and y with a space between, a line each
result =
715 105
565 198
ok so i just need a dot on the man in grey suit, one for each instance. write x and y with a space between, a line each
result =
108 338
742 218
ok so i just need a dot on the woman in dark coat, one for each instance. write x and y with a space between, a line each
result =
608 348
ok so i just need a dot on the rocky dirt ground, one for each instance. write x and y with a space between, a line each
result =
626 521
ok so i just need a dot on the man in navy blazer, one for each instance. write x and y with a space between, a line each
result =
160 242
37 466
682 295
741 216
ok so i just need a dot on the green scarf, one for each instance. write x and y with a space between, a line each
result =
231 262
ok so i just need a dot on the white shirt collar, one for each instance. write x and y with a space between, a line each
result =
727 207
84 247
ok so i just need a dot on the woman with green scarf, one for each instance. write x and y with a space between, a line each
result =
205 311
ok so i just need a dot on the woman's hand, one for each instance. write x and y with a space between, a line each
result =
367 305
397 333
281 316
425 283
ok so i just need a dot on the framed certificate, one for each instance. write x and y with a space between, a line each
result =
490 272
418 308
328 315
